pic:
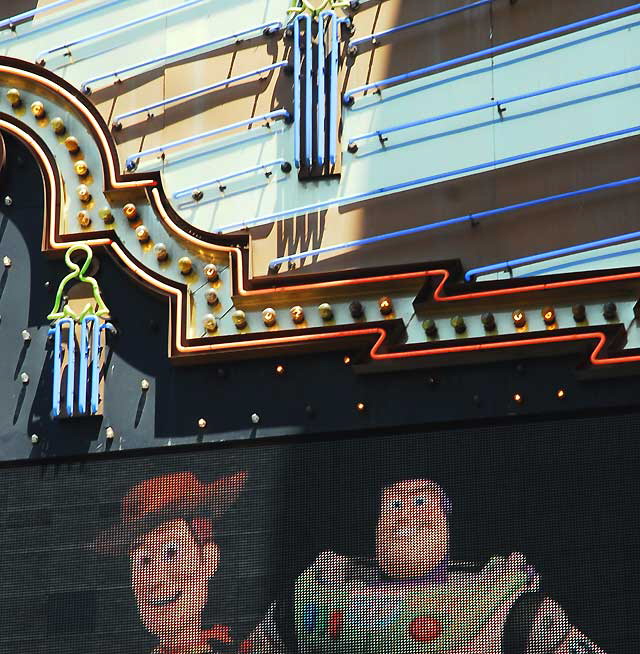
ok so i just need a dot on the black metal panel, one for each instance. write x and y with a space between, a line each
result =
316 394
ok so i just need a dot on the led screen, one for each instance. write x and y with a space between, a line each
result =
488 539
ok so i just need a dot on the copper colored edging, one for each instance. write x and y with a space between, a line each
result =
382 340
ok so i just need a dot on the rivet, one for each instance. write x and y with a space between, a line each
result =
8 200
7 262
34 438
24 377
26 336
202 423
144 385
109 433
255 418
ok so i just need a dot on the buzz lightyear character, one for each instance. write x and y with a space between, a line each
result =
411 599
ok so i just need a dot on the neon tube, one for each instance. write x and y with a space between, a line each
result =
321 71
262 220
297 64
550 254
131 161
190 94
20 18
84 361
420 72
415 23
47 26
494 103
112 30
454 221
186 191
95 363
57 365
86 85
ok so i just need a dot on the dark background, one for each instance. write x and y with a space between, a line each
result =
565 493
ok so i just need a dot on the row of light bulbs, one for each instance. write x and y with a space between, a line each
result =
519 318
296 313
185 264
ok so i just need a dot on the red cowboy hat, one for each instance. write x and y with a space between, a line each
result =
155 501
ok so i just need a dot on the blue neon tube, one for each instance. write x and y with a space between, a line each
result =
297 64
204 89
112 30
421 21
279 113
348 96
476 216
65 19
84 361
71 368
493 103
26 15
86 85
216 180
321 71
262 220
95 362
57 363
573 249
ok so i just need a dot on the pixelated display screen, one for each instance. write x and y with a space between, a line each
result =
514 538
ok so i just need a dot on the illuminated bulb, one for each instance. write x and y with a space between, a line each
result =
549 316
430 327
161 252
211 296
279 369
211 272
13 95
269 317
130 211
561 394
325 311
297 314
519 318
210 323
385 305
84 219
610 311
83 193
184 265
488 321
57 125
458 324
347 360
109 433
360 406
37 109
142 233
6 262
202 423
579 312
106 216
144 385
356 309
81 168
517 398
72 145
239 318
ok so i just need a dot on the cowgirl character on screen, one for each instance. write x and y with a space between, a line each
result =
166 528
411 599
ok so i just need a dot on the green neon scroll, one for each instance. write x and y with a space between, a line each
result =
78 273
300 6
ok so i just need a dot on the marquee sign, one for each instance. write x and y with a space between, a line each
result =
417 314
